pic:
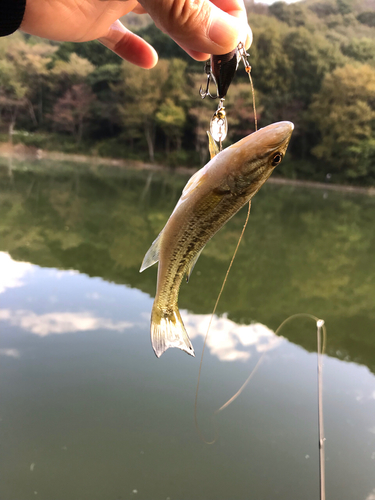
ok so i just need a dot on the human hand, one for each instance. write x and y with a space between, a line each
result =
200 27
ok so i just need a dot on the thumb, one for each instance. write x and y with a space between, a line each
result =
201 27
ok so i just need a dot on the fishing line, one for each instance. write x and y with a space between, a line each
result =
209 326
246 63
248 71
321 334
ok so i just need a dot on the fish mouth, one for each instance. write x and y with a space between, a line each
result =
277 135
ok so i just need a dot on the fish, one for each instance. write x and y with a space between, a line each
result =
211 197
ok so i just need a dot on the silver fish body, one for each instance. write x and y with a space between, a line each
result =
211 197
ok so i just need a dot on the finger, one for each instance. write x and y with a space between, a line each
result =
138 9
237 9
198 56
199 25
129 46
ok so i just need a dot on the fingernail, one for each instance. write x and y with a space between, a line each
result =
246 36
223 32
249 37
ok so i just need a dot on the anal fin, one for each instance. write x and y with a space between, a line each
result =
152 255
192 265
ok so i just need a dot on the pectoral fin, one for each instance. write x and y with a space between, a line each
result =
191 265
212 146
152 255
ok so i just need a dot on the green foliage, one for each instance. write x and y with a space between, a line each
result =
367 17
360 49
170 116
297 49
344 113
291 14
93 51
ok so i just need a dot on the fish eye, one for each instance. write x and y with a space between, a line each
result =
277 157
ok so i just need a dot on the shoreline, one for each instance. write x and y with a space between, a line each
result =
22 153
370 191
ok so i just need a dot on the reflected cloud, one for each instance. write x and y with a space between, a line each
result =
58 274
229 341
12 272
11 353
60 322
371 495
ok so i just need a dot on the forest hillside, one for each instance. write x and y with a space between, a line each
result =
313 62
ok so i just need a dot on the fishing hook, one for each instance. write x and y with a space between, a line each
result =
205 93
221 70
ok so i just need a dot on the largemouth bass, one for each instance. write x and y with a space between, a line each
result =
211 197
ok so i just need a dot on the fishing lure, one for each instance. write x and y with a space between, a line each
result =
220 69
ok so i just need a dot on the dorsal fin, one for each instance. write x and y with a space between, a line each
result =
191 266
152 255
212 145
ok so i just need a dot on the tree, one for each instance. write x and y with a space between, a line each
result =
12 95
141 96
367 17
172 119
23 73
72 110
32 64
72 72
360 49
293 14
344 114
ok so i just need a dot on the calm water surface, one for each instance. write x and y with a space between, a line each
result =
88 412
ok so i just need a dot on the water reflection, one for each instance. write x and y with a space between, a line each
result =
59 322
299 253
88 412
227 339
12 353
12 272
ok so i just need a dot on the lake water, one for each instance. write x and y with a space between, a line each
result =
89 413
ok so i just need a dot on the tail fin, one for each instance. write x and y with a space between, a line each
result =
167 330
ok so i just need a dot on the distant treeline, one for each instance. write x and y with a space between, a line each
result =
313 63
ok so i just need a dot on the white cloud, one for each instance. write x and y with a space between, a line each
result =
12 272
11 353
227 340
60 322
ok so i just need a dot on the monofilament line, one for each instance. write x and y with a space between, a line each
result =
209 326
320 331
253 96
